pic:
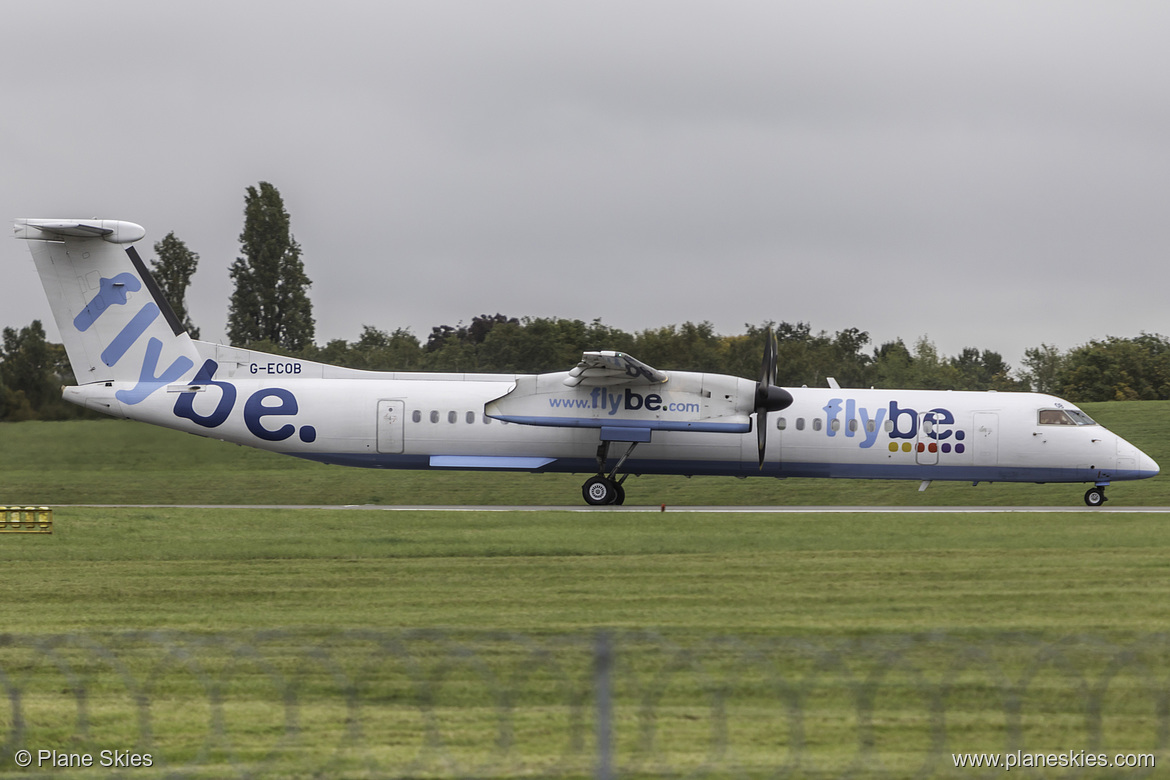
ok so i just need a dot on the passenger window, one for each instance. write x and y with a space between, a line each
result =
487 420
870 426
781 423
835 425
888 426
417 416
452 417
470 417
800 423
853 425
817 423
434 416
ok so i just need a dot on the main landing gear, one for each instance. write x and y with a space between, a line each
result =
606 489
1095 496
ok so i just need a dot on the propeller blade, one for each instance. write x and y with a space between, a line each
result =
768 366
762 432
769 398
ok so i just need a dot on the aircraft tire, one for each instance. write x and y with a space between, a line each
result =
1095 496
599 491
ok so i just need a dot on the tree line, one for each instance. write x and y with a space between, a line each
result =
32 369
270 311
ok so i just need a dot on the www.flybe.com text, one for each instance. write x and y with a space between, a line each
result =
611 403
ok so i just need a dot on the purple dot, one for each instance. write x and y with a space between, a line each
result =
959 448
308 434
946 448
960 435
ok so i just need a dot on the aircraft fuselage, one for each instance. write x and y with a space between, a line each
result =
419 421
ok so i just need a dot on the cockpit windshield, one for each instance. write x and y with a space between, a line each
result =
1064 417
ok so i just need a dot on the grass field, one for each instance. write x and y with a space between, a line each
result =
354 643
1008 586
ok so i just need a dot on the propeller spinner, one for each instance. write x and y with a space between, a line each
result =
769 397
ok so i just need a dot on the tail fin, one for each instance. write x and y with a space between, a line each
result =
115 323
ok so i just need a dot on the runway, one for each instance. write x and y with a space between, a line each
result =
659 508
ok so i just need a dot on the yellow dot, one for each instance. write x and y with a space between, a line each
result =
906 447
893 446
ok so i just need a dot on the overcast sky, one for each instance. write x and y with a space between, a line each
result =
989 174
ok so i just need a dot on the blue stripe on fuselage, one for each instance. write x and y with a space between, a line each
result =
751 469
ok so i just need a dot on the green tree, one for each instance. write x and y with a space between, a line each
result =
1042 368
984 370
539 344
271 301
378 350
800 355
1117 369
32 371
473 334
14 406
893 366
849 366
173 270
687 347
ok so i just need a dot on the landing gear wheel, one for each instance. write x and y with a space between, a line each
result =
620 498
601 490
1095 496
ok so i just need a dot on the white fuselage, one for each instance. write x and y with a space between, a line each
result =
418 421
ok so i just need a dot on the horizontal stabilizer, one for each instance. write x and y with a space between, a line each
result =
112 230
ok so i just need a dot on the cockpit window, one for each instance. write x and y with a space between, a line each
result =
1064 417
1055 417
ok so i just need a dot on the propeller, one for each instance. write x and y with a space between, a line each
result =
769 397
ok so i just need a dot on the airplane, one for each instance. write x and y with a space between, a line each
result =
609 416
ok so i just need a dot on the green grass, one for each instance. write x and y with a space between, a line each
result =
820 602
540 572
111 461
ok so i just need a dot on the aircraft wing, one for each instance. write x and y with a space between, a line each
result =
601 369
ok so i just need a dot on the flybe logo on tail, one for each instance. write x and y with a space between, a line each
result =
111 292
934 429
114 292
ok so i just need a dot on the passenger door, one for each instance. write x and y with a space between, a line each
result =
986 439
391 424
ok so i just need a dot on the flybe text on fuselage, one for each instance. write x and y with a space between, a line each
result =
631 401
265 402
903 423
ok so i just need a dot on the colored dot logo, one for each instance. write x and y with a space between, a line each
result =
946 447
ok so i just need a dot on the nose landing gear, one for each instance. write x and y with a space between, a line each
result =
1095 496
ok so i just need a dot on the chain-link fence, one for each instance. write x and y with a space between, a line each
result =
300 703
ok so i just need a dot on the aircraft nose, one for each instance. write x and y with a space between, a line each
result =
1147 465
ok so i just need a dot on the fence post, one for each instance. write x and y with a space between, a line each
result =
603 693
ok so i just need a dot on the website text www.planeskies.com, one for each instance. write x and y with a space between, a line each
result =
1067 759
